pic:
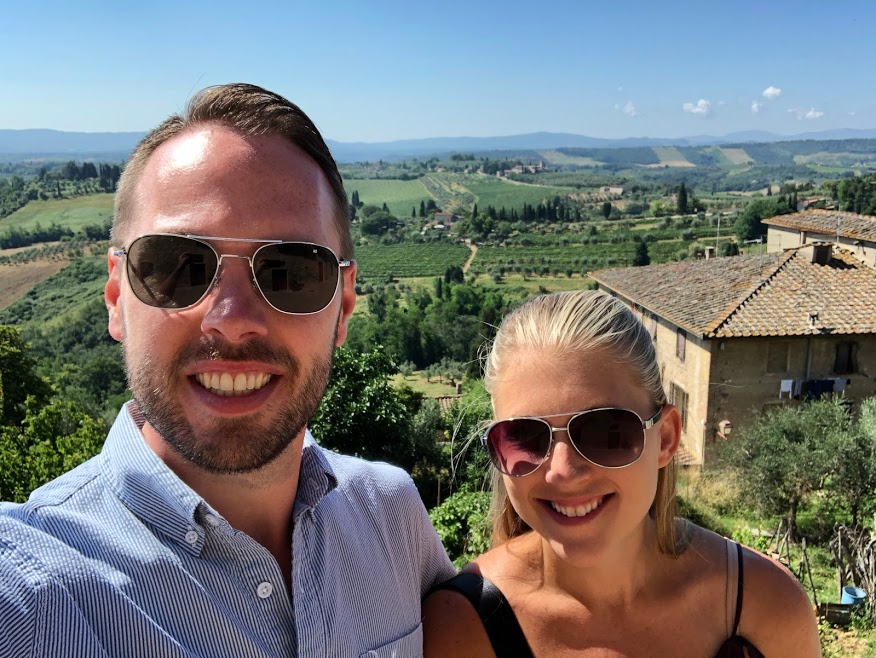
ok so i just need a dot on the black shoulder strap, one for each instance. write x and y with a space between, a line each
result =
498 618
738 590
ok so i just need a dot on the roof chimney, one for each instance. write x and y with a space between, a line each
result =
817 253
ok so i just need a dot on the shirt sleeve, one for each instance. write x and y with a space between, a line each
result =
38 617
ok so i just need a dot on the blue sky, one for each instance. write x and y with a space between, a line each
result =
380 71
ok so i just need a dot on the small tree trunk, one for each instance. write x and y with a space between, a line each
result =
792 520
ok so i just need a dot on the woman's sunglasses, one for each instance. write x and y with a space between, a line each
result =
177 271
611 438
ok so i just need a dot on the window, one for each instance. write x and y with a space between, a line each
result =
846 361
678 398
777 356
680 342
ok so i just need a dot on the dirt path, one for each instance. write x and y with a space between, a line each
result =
474 251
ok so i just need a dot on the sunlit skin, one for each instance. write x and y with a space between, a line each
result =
213 181
597 585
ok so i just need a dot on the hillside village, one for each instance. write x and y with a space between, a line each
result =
758 302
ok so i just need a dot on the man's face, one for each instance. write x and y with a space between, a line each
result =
213 181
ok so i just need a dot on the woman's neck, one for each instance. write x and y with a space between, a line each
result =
615 578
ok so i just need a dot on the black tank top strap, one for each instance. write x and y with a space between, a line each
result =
495 612
738 589
736 646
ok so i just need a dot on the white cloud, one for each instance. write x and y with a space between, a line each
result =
771 93
812 113
620 88
852 113
702 107
627 108
755 106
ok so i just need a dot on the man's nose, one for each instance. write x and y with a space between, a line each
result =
236 310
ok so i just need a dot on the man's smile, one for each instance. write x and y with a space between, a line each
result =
226 383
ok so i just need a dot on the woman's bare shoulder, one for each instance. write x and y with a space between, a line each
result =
777 616
451 625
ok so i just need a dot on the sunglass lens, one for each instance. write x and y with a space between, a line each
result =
518 447
608 437
296 277
170 271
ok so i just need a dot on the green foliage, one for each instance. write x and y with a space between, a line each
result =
748 225
461 522
641 257
376 262
18 379
788 453
50 441
854 194
853 481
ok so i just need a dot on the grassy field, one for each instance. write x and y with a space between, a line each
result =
433 388
73 213
16 280
671 156
737 156
399 195
557 158
491 191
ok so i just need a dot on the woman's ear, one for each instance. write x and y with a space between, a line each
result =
670 434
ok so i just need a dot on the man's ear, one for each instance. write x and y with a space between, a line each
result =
348 301
670 434
111 293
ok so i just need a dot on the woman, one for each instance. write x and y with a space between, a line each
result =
587 553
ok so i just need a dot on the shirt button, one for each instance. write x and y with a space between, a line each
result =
264 590
192 537
212 520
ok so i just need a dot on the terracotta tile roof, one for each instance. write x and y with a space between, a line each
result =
763 295
851 225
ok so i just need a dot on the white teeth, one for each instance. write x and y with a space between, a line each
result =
578 510
224 383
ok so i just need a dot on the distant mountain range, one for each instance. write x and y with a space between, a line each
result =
16 145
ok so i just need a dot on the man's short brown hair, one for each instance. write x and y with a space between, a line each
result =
250 110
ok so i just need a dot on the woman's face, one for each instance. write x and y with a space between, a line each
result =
581 510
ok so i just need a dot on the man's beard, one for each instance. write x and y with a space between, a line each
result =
228 445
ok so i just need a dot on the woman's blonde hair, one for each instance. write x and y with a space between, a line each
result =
569 324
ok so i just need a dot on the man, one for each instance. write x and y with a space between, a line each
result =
211 524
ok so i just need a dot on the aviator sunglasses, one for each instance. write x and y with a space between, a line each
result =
609 437
176 271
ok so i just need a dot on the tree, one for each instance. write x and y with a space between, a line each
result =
748 225
682 200
788 453
854 480
362 414
18 378
606 209
51 440
641 257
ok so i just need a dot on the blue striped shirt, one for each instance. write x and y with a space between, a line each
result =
119 557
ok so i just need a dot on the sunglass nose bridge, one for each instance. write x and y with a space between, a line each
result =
249 267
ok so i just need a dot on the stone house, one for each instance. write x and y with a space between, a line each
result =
739 334
857 233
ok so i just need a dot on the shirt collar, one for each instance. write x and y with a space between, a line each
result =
316 478
152 491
